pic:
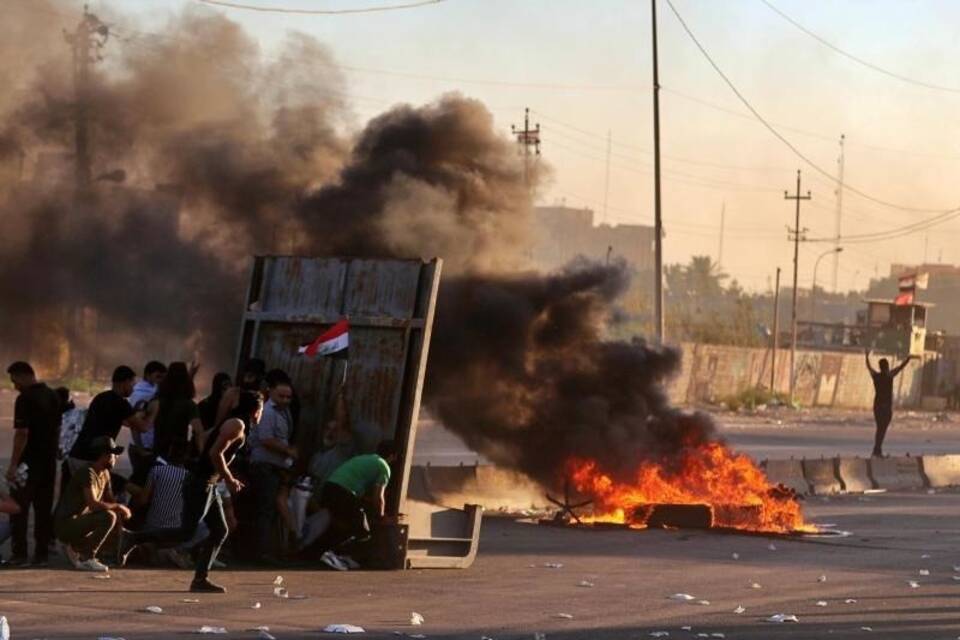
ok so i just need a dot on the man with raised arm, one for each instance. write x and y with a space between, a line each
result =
883 397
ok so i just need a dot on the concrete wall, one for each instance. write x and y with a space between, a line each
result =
710 373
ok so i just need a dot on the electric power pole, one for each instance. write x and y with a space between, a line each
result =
606 179
776 334
836 240
796 232
528 139
657 219
723 215
87 41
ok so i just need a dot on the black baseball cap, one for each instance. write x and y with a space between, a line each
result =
103 444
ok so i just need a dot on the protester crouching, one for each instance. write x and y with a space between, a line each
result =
88 512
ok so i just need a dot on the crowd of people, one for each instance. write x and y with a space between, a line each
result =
199 472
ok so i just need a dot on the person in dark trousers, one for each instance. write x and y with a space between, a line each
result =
108 412
272 455
359 478
36 421
201 502
883 398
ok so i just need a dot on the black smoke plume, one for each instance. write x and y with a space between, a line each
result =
521 370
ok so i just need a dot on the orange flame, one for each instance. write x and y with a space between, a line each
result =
710 474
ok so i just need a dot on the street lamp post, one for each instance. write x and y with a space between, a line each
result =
813 290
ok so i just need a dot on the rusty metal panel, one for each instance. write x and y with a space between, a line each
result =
390 305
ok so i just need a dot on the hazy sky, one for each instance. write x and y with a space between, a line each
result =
902 142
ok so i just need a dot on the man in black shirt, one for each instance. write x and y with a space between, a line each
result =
108 412
36 420
883 398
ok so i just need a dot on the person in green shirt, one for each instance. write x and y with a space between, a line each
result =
87 512
360 477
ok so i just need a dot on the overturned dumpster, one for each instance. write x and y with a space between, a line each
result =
390 306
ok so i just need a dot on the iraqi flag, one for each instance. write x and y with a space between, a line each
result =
333 341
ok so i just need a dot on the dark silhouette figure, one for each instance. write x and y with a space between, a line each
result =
883 398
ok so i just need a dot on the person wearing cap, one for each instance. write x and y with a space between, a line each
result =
88 513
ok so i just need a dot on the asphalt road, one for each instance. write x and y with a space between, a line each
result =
510 594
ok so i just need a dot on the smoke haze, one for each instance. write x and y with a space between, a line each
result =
250 155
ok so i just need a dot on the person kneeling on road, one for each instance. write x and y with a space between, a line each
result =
342 496
88 513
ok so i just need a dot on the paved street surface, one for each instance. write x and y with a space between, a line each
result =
510 594
772 434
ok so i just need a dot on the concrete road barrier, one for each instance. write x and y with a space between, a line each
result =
854 474
942 471
484 485
821 475
789 473
901 472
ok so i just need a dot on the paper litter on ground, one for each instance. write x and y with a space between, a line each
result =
586 583
208 629
153 609
782 617
682 597
343 628
913 584
565 616
924 572
821 603
740 609
553 565
416 619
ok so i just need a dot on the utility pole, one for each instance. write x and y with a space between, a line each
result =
528 139
657 219
839 192
86 42
606 179
795 234
776 334
723 213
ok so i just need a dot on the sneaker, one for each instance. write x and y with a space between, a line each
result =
205 586
70 554
350 562
93 565
333 561
124 547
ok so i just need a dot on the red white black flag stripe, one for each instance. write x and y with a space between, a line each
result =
336 339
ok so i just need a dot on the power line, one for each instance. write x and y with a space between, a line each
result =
805 132
858 60
783 139
324 12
